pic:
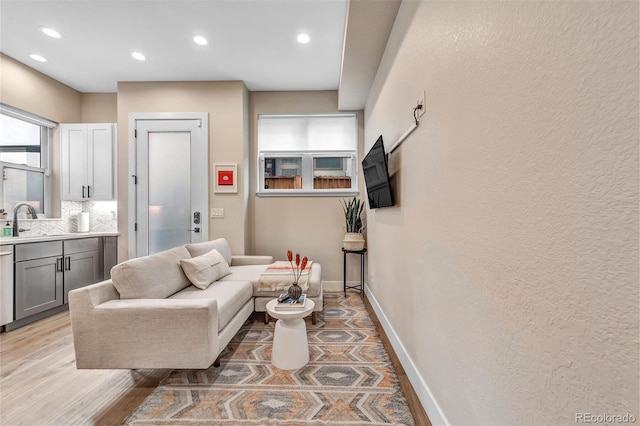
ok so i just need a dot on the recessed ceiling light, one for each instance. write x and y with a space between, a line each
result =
139 56
50 32
303 38
38 58
198 39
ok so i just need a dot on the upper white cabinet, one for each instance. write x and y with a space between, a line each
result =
88 162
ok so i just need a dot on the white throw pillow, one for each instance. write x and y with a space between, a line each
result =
220 244
204 270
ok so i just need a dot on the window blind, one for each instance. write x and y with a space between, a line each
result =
317 133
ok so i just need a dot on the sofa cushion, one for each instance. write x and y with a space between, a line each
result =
231 297
245 273
252 273
205 269
151 277
220 244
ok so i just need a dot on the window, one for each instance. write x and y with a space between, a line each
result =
307 154
24 160
328 163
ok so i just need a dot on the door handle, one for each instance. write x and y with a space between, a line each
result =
196 230
196 217
83 191
88 191
59 265
68 263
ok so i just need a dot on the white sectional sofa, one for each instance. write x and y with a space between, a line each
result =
150 315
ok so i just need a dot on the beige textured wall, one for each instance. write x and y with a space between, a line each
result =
30 90
313 226
99 107
509 270
223 101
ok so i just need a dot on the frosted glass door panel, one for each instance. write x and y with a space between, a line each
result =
170 182
169 190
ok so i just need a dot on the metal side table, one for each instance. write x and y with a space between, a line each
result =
344 269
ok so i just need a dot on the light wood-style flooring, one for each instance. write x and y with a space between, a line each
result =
40 385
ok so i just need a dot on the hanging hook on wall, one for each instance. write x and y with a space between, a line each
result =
415 113
416 118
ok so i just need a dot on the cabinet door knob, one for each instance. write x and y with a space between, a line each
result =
88 191
82 191
68 263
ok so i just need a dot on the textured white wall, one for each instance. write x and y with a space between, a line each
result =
509 269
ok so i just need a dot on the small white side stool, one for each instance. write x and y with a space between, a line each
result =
290 348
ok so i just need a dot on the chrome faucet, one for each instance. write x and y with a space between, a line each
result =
30 209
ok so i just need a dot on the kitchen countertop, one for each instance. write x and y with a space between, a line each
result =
54 237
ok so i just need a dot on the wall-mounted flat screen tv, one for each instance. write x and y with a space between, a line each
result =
376 176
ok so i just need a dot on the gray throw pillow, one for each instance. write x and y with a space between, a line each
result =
151 277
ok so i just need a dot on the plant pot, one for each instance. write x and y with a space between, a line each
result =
353 241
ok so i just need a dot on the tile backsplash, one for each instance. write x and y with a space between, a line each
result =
102 218
102 215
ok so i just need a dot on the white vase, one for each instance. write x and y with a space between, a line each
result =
353 241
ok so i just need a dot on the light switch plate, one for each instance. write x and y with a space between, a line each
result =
217 213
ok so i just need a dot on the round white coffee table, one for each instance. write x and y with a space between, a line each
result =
290 349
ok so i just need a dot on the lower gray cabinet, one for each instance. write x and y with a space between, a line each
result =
45 272
110 249
38 281
83 264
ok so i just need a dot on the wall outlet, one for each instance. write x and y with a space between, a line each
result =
217 213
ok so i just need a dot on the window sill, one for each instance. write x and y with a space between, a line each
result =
298 193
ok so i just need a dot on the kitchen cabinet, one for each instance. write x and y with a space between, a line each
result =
45 272
38 278
83 264
6 284
110 255
87 162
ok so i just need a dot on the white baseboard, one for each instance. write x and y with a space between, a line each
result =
425 396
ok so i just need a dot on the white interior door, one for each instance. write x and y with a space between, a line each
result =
170 183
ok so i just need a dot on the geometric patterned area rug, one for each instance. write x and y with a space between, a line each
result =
349 379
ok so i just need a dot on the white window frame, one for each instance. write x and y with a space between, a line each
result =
307 165
46 130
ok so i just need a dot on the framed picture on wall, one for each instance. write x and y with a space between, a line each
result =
225 178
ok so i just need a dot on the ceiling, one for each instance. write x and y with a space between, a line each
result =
249 40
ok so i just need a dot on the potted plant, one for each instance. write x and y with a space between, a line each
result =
353 239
